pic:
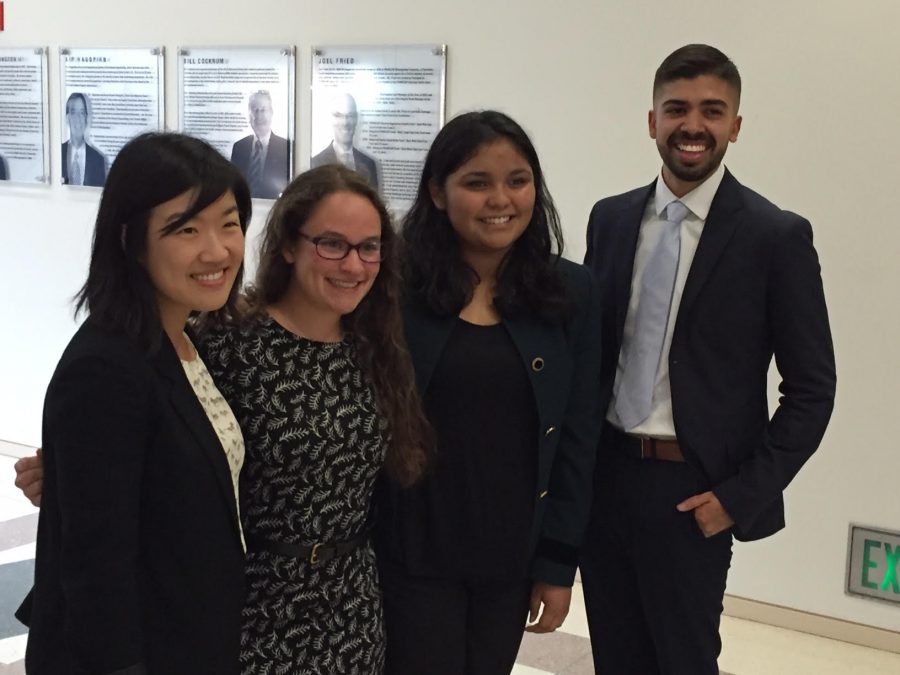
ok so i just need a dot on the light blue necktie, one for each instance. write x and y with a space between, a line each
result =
645 347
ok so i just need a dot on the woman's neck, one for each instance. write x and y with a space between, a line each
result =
305 322
485 265
173 327
480 309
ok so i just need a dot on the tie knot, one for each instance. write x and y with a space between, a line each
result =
676 212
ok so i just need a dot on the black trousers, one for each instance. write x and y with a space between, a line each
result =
451 627
653 584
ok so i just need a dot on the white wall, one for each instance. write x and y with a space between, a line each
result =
820 137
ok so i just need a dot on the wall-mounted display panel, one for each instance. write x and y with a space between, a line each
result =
24 116
377 109
108 96
241 101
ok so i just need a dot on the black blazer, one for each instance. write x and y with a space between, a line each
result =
365 165
276 170
563 365
754 290
139 564
94 166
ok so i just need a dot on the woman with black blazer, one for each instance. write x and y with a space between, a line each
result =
317 374
139 565
504 336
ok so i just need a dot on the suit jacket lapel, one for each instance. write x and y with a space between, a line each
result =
720 226
536 340
630 217
426 335
191 412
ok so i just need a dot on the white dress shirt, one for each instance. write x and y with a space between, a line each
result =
660 423
345 157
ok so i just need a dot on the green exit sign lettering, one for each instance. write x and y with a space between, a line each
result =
873 563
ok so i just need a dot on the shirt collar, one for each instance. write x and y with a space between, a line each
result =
697 200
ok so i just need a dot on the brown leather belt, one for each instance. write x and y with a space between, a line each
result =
643 447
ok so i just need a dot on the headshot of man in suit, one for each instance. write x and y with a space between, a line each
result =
703 282
4 169
263 156
341 150
82 163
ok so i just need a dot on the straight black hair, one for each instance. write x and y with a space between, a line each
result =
149 170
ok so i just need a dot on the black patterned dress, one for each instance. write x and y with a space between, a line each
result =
313 451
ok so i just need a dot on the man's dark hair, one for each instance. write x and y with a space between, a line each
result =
691 61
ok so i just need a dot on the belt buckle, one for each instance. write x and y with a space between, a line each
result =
650 452
314 554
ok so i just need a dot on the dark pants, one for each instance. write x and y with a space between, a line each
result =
451 627
653 584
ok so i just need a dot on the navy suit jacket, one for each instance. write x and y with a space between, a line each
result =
94 169
754 290
365 165
139 564
275 175
563 365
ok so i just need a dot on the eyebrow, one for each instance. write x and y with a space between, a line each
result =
706 101
177 216
331 234
480 174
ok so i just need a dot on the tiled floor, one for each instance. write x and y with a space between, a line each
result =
748 648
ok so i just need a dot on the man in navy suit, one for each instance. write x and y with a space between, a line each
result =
341 150
703 281
82 163
263 156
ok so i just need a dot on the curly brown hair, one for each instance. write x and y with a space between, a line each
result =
376 324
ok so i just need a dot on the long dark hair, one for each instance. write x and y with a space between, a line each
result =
149 170
434 270
376 324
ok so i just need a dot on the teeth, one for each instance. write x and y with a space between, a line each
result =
212 276
344 284
692 148
499 220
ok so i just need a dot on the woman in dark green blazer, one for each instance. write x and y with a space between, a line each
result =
504 336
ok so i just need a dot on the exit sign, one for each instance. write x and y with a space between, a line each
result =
873 563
